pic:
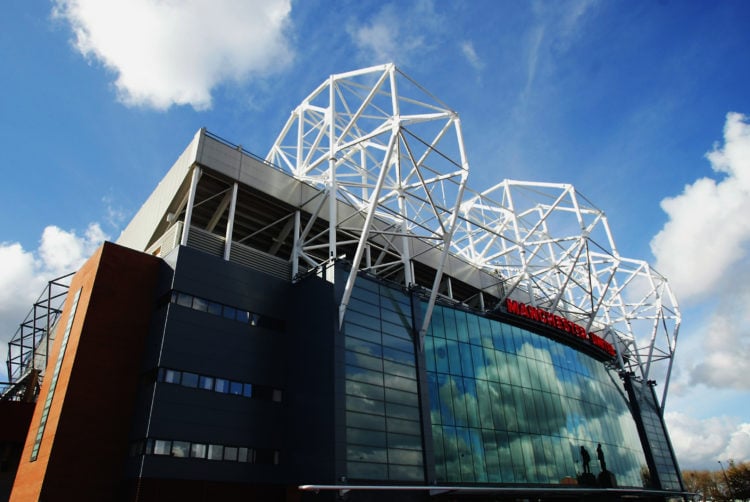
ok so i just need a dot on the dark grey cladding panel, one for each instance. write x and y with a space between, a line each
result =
206 344
210 417
310 392
225 282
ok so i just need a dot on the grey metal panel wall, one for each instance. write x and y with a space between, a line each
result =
296 359
272 265
206 241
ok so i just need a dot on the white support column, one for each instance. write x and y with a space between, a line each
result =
332 189
230 223
366 227
296 244
447 238
189 206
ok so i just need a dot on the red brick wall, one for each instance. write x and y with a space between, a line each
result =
84 444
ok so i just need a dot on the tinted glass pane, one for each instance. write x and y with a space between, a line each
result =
365 421
221 385
365 437
206 382
364 470
198 450
230 453
364 405
215 452
189 379
229 312
200 304
162 447
247 390
366 454
185 300
180 449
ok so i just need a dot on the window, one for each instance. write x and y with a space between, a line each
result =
235 388
189 379
226 311
215 452
230 453
206 382
198 450
221 385
180 449
162 447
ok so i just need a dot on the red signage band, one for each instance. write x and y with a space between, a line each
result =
557 322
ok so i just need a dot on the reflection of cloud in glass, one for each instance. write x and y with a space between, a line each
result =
549 398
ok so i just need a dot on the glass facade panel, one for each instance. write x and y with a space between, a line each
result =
383 432
506 405
511 406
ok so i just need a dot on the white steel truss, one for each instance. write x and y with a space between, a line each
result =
390 160
379 142
550 247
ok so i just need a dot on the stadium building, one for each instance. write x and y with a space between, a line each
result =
346 319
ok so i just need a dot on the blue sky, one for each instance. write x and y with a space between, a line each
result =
623 99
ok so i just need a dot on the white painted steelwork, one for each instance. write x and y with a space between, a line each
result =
379 142
551 248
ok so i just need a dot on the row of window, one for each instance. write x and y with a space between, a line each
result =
226 311
221 385
55 375
205 451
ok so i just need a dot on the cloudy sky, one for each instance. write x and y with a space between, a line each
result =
642 105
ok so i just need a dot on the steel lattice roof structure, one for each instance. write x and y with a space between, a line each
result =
371 169
380 143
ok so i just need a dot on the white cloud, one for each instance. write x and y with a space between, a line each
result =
700 443
23 273
172 52
708 230
396 33
739 445
467 49
702 249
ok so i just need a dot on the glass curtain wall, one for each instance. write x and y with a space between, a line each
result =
510 406
383 431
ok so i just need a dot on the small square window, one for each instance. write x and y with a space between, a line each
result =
206 382
235 388
189 379
247 390
243 316
230 453
214 308
162 447
222 385
242 454
229 312
184 299
276 396
215 452
169 376
180 449
198 450
200 304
